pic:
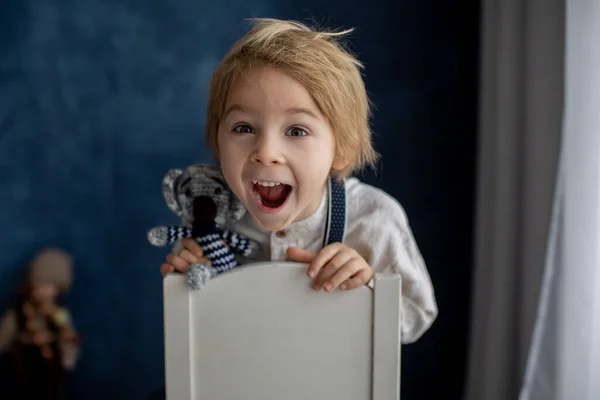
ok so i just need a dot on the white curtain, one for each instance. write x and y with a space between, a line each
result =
564 360
521 105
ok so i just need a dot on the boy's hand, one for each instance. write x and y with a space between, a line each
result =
190 254
336 265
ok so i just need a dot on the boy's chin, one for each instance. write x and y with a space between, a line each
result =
270 223
272 226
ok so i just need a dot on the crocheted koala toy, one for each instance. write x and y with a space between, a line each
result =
201 197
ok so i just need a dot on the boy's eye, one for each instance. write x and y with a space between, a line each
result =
243 129
295 131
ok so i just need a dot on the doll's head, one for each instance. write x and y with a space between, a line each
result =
50 275
199 193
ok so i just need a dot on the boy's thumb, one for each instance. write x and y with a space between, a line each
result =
300 255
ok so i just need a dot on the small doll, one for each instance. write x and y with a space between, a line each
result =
201 197
37 333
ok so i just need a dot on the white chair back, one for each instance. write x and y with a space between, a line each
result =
259 332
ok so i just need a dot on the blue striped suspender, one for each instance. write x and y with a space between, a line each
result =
335 225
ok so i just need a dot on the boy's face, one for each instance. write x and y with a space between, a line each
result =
275 147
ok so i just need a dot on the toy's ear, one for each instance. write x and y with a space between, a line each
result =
208 170
169 187
236 208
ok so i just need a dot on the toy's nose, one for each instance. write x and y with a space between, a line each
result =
205 209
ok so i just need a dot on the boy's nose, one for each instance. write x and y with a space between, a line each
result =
267 152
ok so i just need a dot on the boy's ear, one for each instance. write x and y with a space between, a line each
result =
339 163
169 185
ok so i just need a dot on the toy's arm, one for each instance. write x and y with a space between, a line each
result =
69 339
8 330
238 243
167 235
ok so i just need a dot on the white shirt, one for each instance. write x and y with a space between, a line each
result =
376 228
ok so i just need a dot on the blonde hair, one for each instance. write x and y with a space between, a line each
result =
317 59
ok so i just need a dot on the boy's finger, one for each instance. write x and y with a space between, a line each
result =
188 256
349 269
337 262
300 255
166 269
204 261
192 246
326 254
357 280
179 263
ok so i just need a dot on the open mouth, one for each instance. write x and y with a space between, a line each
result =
270 195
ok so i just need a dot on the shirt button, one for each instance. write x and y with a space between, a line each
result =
280 234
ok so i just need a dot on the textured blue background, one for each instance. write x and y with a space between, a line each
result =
99 98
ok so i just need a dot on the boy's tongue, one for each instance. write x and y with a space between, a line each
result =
272 193
273 196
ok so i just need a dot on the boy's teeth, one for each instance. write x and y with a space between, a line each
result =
267 183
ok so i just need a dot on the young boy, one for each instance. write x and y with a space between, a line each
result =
287 110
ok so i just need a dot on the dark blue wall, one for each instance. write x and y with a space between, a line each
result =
99 98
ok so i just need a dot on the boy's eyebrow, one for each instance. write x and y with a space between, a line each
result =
293 110
233 107
301 110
